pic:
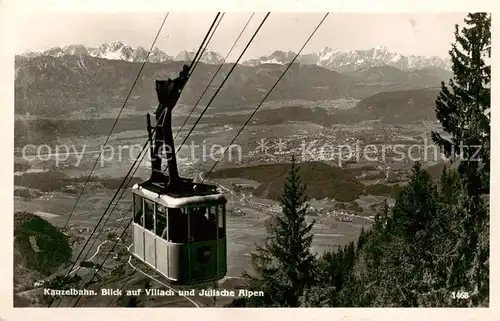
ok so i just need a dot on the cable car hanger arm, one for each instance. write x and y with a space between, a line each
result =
162 142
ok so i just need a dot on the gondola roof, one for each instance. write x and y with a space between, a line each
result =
190 193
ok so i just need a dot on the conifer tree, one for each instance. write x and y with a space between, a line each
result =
463 106
463 109
382 218
379 234
406 260
283 267
416 206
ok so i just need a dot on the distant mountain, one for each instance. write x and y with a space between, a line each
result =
329 58
355 59
53 86
426 77
117 50
208 57
277 57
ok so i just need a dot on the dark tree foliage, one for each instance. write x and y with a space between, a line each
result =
463 108
413 214
463 105
416 254
53 246
283 266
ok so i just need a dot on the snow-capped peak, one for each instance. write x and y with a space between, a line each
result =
326 53
377 56
381 48
327 57
77 50
208 57
276 57
112 45
112 50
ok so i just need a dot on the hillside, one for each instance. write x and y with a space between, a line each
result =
321 180
39 249
55 86
400 106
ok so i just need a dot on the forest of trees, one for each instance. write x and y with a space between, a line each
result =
432 248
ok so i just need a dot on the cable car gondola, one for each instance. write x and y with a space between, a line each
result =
179 226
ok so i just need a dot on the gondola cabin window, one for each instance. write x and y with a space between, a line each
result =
177 225
149 210
221 209
202 223
181 225
137 209
212 222
161 222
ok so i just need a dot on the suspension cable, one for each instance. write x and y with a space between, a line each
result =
112 210
248 120
142 157
116 120
115 204
241 55
215 75
199 53
265 97
123 191
122 287
107 255
244 125
130 170
198 56
208 41
130 174
225 79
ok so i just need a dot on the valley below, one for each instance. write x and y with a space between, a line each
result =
347 181
355 133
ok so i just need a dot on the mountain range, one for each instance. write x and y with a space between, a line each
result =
329 58
53 86
355 59
73 85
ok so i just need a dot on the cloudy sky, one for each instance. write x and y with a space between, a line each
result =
425 34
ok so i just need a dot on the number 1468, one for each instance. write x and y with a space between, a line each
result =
459 295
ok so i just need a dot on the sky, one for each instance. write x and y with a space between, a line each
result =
427 34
